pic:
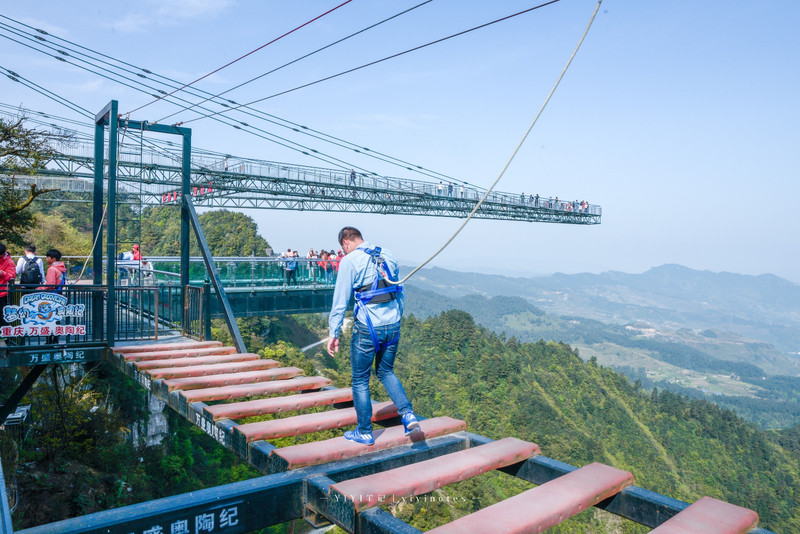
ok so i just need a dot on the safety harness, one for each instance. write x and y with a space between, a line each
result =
379 292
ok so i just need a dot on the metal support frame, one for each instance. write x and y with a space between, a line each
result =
108 116
212 271
97 224
10 405
259 502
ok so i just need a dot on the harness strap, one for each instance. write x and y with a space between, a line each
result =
364 297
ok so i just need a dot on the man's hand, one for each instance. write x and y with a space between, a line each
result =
333 345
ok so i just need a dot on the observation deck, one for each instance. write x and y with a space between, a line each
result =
154 178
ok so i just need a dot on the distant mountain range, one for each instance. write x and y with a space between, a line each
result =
725 337
765 307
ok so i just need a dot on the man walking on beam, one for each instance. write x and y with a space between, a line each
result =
376 328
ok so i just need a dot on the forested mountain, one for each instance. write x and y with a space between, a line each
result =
156 229
754 378
580 412
764 307
229 233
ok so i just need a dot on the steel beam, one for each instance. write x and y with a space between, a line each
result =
252 504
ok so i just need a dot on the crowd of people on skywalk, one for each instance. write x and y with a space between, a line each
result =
450 190
322 265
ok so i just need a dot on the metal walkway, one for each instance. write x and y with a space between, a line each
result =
346 483
154 178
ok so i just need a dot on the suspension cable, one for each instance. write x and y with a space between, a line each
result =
303 150
291 125
15 77
242 57
513 154
371 63
213 96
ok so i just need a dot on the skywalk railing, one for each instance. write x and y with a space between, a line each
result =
243 271
251 271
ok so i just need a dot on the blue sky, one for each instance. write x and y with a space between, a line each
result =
679 118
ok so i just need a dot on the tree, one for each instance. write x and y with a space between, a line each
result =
23 151
228 233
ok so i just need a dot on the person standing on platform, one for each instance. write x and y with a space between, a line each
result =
8 271
376 328
56 272
30 268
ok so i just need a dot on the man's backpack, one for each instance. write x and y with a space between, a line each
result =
31 275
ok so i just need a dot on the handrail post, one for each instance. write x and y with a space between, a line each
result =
185 314
186 162
155 309
206 310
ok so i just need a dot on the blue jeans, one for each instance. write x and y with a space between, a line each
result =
362 354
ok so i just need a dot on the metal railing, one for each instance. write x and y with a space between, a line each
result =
197 312
137 313
74 315
243 271
251 271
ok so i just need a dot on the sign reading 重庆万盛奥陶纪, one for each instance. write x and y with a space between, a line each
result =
39 314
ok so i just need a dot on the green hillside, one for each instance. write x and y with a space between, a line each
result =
754 378
580 412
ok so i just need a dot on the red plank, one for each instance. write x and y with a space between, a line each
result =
544 506
213 369
130 349
313 422
320 452
232 378
710 516
256 389
239 410
424 477
177 353
197 360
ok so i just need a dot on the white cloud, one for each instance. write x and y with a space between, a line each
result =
161 13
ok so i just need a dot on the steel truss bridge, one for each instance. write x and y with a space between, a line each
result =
150 177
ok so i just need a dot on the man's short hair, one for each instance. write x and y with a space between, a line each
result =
349 233
54 253
30 247
2 249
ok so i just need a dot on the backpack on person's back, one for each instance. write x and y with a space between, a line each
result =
31 275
